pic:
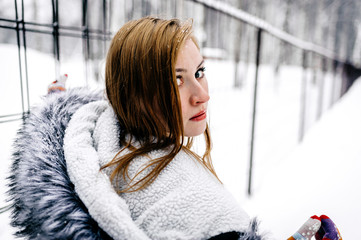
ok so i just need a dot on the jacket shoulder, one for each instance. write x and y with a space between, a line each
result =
44 202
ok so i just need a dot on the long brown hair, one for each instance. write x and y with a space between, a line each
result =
141 87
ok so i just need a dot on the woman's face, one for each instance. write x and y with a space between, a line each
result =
193 89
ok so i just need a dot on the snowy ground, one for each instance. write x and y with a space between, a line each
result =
290 183
318 176
321 176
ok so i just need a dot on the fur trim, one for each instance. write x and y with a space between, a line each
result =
252 232
44 203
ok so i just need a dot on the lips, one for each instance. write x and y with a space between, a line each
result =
199 116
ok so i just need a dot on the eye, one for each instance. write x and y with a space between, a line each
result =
179 80
200 73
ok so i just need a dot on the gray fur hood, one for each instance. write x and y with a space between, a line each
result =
45 202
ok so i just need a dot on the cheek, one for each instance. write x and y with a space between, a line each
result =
205 84
183 99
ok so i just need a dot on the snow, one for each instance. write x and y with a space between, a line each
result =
291 181
318 176
321 175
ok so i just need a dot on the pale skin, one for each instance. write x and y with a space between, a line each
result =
193 89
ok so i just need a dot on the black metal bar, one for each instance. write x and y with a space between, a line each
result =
25 60
67 28
85 37
48 32
321 83
15 119
19 55
104 24
175 9
145 8
157 9
77 29
8 27
79 35
129 14
11 115
39 24
335 67
5 208
70 28
8 20
303 97
56 48
258 54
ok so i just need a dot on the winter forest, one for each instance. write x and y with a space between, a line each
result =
284 108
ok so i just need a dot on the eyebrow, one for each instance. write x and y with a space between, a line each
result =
185 70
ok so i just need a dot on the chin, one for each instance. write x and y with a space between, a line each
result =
194 132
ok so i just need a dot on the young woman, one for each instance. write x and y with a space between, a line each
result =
157 96
122 167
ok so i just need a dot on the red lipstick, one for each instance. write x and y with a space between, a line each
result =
199 116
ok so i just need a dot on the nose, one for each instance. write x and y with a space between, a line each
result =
199 94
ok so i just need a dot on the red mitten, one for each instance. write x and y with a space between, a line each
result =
308 229
328 230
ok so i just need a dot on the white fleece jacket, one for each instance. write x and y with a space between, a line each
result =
184 202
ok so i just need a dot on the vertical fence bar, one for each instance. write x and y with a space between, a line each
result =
321 84
343 80
335 67
56 48
143 7
175 8
25 60
19 56
258 53
85 36
179 8
301 131
130 14
104 26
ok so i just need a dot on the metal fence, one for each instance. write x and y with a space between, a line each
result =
349 71
22 28
96 37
